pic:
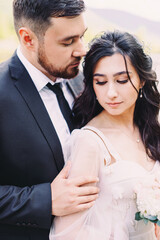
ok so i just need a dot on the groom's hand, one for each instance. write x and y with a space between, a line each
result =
72 195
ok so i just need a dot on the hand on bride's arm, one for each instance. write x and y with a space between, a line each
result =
74 194
74 191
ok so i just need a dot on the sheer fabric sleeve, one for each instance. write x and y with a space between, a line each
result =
87 155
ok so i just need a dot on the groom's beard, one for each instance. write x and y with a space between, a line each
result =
65 72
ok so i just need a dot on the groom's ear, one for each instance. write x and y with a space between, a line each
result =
28 39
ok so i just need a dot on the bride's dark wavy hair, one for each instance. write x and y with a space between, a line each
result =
147 108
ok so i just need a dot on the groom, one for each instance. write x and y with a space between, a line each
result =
34 129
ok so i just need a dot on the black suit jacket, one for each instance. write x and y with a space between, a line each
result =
30 155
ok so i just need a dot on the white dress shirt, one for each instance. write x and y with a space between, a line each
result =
50 100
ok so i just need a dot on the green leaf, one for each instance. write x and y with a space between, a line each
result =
145 220
158 223
138 216
152 218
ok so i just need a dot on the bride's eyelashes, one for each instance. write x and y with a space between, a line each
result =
122 81
118 81
101 83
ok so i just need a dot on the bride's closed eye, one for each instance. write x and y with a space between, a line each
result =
122 81
118 81
101 82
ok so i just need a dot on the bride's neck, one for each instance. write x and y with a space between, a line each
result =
120 122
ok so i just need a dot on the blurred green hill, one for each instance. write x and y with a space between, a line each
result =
97 21
146 30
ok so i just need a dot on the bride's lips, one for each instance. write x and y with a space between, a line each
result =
113 104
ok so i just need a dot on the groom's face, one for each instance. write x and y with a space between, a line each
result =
62 47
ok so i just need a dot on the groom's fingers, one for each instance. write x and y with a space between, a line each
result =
87 190
74 194
83 180
81 200
84 206
67 198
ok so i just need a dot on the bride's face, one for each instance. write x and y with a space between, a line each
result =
112 87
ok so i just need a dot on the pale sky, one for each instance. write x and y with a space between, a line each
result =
145 8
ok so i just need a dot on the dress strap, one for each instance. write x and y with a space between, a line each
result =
108 150
107 156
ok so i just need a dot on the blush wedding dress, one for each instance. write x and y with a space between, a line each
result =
113 215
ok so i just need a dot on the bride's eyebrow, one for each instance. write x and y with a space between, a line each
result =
121 73
114 75
99 75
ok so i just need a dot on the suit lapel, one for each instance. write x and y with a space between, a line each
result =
32 98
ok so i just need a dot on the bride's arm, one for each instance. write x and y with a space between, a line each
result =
86 155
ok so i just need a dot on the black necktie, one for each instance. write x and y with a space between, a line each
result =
63 104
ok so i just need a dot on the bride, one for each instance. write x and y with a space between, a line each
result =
119 139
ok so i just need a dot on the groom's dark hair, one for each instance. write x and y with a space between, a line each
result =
36 14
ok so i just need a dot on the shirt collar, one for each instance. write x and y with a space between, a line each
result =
39 79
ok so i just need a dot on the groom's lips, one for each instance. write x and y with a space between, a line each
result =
75 64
